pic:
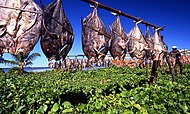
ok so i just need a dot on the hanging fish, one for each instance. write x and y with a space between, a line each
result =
148 37
20 25
159 47
160 52
119 40
57 33
95 37
137 45
149 40
68 63
83 63
76 63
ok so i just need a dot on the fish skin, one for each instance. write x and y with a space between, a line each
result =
19 30
95 37
118 48
137 43
57 33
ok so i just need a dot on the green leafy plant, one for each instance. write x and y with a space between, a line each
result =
108 90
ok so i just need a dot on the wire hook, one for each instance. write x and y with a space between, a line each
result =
139 21
96 4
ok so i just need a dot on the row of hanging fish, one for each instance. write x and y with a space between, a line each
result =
96 40
71 64
22 22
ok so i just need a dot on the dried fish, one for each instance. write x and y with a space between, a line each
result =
20 25
118 48
57 33
95 37
137 45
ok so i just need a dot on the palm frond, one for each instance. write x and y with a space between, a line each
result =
32 57
28 63
9 62
20 57
17 57
20 60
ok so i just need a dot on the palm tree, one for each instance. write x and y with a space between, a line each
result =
20 60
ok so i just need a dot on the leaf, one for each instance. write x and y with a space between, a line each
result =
10 94
137 106
67 110
10 62
123 94
20 108
42 109
55 107
67 104
155 106
127 105
47 102
140 108
32 57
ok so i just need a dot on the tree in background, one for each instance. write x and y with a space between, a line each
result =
20 60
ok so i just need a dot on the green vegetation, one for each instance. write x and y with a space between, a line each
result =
110 90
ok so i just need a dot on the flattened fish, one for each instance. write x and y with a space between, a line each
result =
76 63
95 37
149 38
83 63
57 33
20 25
119 40
137 44
159 46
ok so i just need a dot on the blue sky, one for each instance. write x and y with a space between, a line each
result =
174 14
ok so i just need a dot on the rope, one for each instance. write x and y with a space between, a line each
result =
20 9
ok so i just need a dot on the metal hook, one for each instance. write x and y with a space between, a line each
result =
96 4
156 29
113 13
139 21
147 27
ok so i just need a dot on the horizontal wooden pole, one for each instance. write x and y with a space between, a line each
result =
93 2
